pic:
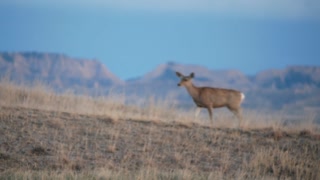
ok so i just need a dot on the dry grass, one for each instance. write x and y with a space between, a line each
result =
44 135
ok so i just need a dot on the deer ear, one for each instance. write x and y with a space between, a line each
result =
178 74
192 75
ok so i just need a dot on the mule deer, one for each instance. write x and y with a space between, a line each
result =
209 97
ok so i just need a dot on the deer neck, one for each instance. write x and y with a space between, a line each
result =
193 91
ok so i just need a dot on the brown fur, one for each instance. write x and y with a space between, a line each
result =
209 97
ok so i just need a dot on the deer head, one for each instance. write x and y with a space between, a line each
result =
185 80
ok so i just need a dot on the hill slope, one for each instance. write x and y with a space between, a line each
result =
55 142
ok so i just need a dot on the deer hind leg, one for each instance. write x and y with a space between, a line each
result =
238 113
210 113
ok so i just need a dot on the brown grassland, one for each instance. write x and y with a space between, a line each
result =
45 135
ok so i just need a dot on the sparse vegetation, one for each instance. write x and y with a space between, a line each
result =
45 135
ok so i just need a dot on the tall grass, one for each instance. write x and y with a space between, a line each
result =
115 105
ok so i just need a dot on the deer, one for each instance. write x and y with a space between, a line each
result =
211 97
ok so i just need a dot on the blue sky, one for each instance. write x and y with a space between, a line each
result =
133 37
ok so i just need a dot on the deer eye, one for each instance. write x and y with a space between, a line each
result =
185 79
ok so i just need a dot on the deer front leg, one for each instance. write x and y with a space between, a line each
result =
196 114
210 113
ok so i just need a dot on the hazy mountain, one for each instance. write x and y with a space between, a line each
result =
204 76
291 77
58 71
295 89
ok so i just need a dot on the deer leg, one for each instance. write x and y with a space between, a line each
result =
238 114
196 114
210 113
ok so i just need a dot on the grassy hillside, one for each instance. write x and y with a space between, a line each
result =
64 136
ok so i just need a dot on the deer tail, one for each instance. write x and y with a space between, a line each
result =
242 97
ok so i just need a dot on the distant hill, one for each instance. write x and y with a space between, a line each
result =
291 77
57 70
166 72
295 89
